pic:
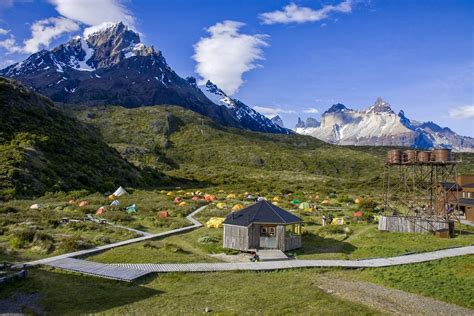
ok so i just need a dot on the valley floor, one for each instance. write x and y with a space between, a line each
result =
308 291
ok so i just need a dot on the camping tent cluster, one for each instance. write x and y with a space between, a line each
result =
116 202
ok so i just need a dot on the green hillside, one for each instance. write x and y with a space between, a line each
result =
186 144
42 149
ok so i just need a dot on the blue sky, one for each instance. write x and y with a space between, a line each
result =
288 57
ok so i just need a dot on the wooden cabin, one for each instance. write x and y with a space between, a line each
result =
262 226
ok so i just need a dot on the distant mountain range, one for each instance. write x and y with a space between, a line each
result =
113 67
379 125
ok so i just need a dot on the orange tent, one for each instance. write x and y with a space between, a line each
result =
163 214
210 197
100 211
358 214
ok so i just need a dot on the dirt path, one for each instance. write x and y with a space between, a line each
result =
387 300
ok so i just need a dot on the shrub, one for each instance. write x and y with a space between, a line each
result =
15 243
206 239
74 243
24 235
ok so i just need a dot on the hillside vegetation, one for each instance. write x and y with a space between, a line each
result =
186 144
42 149
189 145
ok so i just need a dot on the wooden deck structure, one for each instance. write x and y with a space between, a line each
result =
262 226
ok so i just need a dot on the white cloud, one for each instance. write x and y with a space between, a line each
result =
311 111
292 13
272 112
4 32
462 112
73 13
226 54
44 31
93 12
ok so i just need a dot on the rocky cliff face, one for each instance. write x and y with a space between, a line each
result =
113 67
380 126
243 112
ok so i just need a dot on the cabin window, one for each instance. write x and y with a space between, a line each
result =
267 231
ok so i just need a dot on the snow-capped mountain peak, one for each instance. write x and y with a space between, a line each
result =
242 112
335 108
278 121
380 106
216 95
380 126
111 65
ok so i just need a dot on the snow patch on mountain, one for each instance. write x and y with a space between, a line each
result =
380 126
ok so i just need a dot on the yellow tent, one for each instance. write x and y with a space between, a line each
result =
237 207
276 199
183 204
305 206
231 196
170 193
221 205
325 202
111 197
215 222
189 194
338 221
358 201
163 192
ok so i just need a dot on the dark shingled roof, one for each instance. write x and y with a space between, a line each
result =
450 186
261 212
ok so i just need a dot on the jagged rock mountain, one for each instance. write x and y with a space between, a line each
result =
278 121
113 67
243 112
379 125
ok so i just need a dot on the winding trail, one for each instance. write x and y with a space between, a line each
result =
130 272
195 224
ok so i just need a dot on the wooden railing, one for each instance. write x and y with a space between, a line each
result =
292 242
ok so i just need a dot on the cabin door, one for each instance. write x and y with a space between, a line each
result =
268 238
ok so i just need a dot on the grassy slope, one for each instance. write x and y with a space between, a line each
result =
287 292
42 149
450 280
190 145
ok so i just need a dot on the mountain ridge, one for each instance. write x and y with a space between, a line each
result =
379 125
112 66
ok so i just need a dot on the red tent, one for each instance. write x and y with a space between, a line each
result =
358 214
163 214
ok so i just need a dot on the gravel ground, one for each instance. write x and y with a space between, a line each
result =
388 300
20 303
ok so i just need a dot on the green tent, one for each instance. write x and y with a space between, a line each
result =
296 201
131 209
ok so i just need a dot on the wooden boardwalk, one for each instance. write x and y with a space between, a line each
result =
131 271
98 269
195 224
